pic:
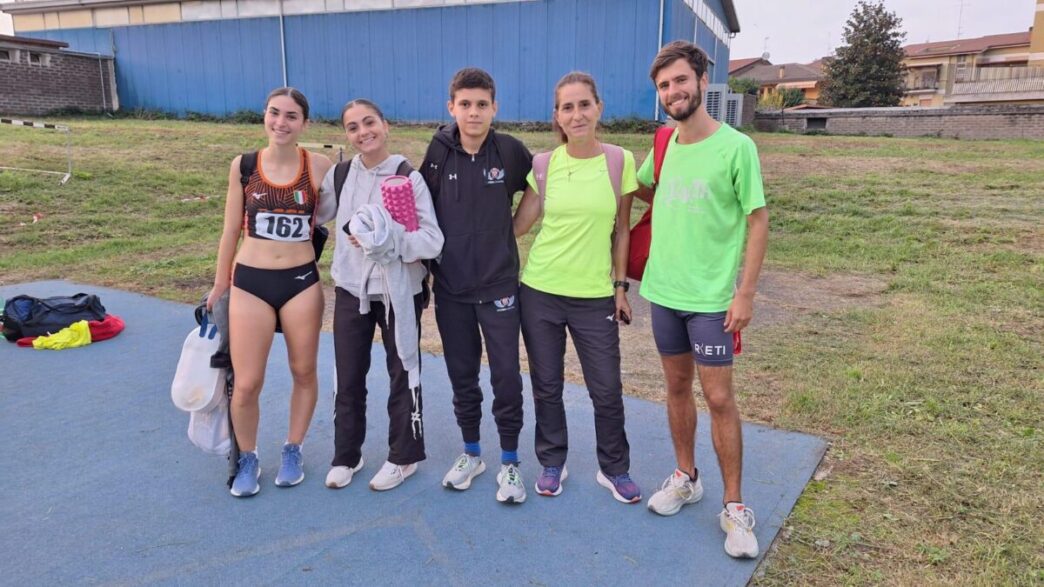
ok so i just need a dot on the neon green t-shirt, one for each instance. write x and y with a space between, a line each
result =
572 253
699 222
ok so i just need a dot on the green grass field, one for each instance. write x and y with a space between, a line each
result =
931 396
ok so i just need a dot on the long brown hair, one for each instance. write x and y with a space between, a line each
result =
573 77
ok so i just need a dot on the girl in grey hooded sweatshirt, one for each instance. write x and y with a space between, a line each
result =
379 275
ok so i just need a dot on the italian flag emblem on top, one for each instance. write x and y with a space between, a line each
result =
299 197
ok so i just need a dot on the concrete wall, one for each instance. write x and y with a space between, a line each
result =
55 80
965 122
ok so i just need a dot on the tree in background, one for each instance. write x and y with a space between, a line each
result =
744 85
868 69
780 99
792 97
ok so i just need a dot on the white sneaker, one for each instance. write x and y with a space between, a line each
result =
511 489
738 523
340 477
391 476
677 491
464 469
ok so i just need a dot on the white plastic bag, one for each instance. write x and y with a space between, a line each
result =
209 429
197 386
199 389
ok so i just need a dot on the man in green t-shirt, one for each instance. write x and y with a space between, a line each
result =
709 202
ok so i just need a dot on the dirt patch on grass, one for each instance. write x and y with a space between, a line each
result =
783 297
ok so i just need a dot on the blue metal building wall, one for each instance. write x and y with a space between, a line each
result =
401 59
85 40
215 67
681 23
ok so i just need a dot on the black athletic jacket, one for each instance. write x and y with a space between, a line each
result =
473 196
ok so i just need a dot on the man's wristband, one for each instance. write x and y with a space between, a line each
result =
624 284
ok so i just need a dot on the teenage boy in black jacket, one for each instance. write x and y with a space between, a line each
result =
473 174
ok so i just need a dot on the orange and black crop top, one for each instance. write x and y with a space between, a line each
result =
280 212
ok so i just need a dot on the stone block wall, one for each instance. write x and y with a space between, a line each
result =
35 81
961 122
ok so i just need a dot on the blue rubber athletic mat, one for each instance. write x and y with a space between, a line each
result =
102 486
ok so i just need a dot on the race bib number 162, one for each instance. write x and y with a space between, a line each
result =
279 226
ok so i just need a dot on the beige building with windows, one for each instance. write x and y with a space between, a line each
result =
995 69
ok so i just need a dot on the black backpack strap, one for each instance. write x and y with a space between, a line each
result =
340 176
433 174
404 169
247 165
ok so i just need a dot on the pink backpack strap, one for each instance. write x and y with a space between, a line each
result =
541 162
614 160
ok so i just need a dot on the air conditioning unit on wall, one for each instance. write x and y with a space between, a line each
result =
723 105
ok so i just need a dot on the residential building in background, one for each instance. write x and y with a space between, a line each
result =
739 67
807 77
222 56
995 69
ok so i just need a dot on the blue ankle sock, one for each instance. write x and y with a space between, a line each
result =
472 449
509 457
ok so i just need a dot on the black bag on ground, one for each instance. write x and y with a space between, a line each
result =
29 316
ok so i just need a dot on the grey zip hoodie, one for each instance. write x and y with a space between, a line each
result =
380 238
361 187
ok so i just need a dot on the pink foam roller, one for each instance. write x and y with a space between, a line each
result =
397 194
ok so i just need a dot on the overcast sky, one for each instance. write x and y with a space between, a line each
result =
804 30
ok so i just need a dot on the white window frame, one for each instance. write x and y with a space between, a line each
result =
45 59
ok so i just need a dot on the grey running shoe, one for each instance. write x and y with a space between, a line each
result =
511 489
464 469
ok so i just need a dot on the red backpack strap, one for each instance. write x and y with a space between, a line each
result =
660 143
614 160
541 161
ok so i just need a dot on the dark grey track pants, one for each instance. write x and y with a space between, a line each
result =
463 328
596 337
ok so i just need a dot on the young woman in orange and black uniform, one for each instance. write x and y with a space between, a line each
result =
272 275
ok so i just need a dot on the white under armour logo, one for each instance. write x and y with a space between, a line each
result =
609 317
434 166
302 277
452 176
